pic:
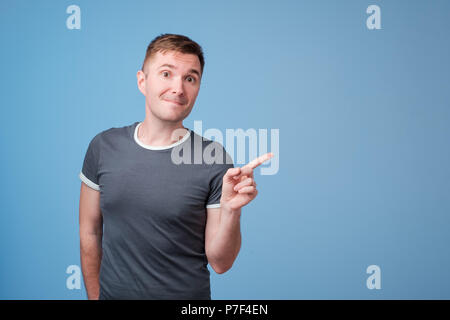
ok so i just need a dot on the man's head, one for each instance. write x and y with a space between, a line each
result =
170 76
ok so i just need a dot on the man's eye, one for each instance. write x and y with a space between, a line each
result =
193 79
164 73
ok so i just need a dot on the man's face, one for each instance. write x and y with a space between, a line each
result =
170 83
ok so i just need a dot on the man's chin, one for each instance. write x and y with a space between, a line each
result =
173 117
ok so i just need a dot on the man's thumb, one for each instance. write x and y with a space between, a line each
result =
232 172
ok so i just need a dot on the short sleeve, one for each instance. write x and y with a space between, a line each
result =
217 172
89 172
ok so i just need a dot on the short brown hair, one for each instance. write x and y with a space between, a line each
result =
174 42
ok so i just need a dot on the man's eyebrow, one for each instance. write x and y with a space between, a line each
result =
173 67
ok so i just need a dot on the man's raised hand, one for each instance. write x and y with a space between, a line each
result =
239 186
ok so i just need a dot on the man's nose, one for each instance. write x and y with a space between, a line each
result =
178 86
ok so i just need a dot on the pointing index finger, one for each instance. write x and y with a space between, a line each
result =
256 162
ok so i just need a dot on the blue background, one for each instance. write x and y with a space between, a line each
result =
363 116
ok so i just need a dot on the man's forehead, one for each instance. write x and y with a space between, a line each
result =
177 59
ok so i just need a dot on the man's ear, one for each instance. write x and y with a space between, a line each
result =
141 81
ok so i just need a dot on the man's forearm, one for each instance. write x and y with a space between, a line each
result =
91 257
226 243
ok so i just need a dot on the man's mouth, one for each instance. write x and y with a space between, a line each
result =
175 102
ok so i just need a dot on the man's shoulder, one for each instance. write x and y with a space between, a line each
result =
112 136
205 141
116 132
213 151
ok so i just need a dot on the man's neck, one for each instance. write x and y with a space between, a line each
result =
154 132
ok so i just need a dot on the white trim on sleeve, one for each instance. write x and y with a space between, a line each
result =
88 182
217 205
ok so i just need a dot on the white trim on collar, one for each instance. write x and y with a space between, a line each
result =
186 136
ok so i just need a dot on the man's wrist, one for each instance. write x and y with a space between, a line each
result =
226 209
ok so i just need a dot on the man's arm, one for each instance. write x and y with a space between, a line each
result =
223 234
222 237
91 231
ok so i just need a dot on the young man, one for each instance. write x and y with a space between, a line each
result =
149 226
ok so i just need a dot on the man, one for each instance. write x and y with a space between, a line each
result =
149 226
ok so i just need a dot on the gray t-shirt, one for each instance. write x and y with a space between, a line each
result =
154 213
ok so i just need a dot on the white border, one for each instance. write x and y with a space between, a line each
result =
217 205
186 136
88 182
